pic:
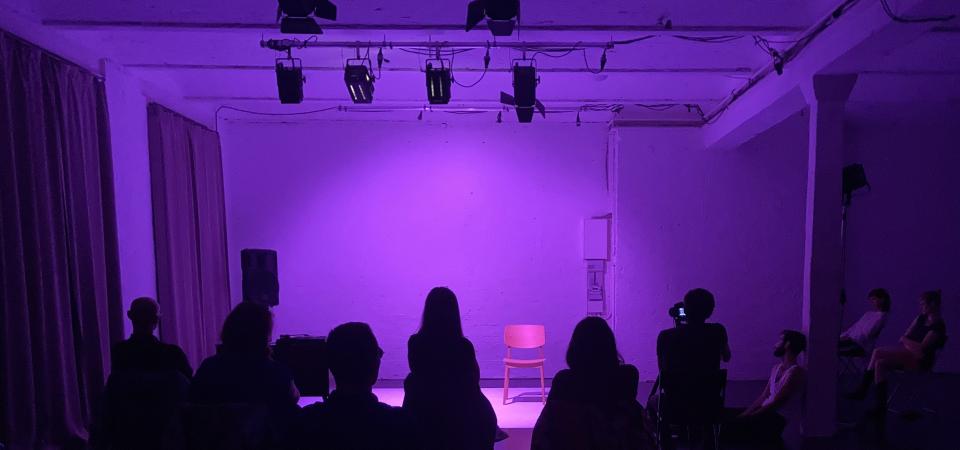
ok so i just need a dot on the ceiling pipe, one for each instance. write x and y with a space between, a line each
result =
654 70
285 44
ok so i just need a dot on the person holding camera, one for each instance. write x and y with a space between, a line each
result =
693 345
692 348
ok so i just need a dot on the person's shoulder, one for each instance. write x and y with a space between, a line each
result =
563 377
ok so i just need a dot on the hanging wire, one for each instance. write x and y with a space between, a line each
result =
710 39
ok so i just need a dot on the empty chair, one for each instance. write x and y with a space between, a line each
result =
523 337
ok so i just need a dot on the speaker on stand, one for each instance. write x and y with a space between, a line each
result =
260 282
854 179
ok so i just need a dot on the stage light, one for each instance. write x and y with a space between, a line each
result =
500 14
524 98
297 16
359 81
438 82
290 80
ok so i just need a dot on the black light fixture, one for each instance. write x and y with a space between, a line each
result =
359 80
438 82
524 98
298 16
290 80
501 15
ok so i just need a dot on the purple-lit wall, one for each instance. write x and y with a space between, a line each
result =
367 217
904 234
131 181
728 221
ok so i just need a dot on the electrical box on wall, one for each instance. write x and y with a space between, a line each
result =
596 243
596 252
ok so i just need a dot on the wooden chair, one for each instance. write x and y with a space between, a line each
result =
523 337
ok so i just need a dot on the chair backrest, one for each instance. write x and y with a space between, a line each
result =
524 336
692 398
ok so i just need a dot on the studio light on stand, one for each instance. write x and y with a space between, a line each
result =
854 179
290 80
298 16
359 80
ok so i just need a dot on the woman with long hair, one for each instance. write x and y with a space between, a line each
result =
443 389
593 403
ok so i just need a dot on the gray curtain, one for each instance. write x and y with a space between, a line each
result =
59 286
190 231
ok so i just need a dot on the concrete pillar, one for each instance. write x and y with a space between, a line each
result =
826 96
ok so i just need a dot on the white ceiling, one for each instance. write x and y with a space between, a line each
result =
209 52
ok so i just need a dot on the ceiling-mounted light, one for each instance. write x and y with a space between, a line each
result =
359 80
290 80
578 118
297 16
438 82
501 15
524 98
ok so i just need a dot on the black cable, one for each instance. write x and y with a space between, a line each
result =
710 39
901 19
261 113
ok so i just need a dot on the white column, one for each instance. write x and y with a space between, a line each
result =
826 96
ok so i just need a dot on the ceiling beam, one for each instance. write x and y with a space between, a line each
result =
271 68
265 26
767 98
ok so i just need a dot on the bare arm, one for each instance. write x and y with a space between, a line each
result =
794 382
758 402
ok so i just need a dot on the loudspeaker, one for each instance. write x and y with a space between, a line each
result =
854 177
260 283
306 357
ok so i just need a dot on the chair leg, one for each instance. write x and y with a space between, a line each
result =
543 387
506 383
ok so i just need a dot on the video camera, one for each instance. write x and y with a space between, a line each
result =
679 315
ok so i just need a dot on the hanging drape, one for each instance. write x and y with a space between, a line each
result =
60 302
189 232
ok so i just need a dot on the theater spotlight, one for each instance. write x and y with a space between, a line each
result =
438 82
524 98
501 15
290 80
359 80
297 16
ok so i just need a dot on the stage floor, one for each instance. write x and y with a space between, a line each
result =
520 412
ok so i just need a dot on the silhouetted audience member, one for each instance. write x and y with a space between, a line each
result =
242 372
442 390
762 423
592 404
917 350
696 346
147 385
352 418
861 336
143 351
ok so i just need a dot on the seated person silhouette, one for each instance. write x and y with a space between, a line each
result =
593 403
442 391
761 422
916 352
147 385
688 350
860 337
243 376
143 351
352 418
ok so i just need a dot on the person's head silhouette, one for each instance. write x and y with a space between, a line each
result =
354 357
144 314
792 343
441 314
698 304
248 329
593 348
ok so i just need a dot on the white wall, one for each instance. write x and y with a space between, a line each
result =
127 109
727 221
367 217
